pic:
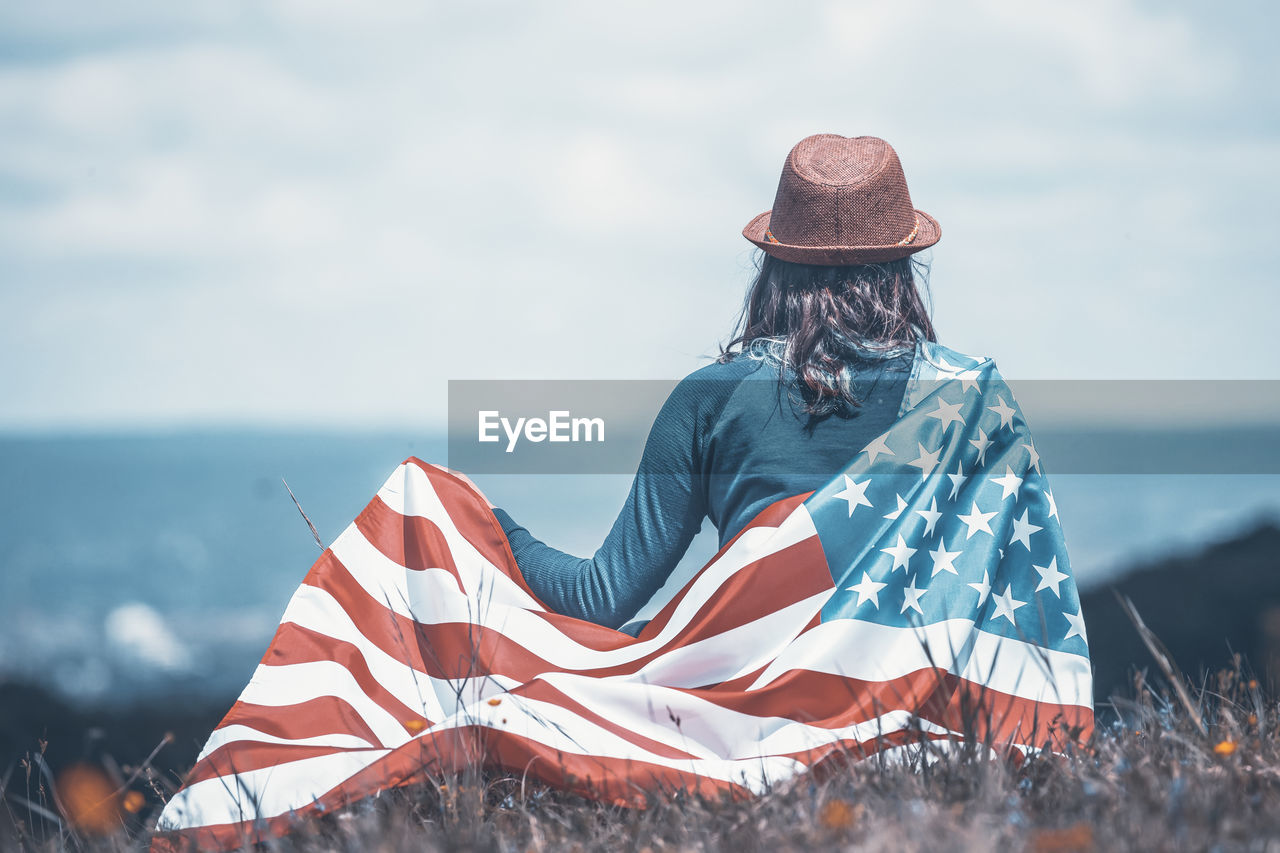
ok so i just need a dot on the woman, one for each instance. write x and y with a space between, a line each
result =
892 571
831 320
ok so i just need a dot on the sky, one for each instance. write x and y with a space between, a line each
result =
316 213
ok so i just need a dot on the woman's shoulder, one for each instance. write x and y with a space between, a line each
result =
731 367
701 394
937 358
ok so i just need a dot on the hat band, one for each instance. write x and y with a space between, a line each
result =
905 241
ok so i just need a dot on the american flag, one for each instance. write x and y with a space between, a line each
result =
921 598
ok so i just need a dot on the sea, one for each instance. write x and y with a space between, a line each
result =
160 562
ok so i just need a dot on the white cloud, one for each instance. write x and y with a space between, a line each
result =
291 211
1099 53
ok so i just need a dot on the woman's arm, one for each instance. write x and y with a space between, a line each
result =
662 514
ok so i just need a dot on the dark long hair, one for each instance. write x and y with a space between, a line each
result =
820 321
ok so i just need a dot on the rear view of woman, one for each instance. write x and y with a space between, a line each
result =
892 577
830 325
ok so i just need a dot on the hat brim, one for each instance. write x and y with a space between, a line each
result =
928 232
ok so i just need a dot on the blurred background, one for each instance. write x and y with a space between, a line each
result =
241 242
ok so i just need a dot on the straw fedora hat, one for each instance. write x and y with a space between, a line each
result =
842 200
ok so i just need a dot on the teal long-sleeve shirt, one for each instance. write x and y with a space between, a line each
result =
729 441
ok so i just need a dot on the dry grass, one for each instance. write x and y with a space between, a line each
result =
1154 779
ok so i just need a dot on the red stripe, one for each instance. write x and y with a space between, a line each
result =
771 516
835 701
323 715
244 756
407 540
754 591
474 521
296 644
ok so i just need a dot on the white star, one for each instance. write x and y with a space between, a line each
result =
868 590
1022 530
855 494
944 560
1050 577
983 589
968 379
911 597
927 461
1053 505
1009 483
901 554
897 512
957 480
982 443
948 413
1003 410
1077 625
1035 457
945 366
877 447
1005 604
930 516
977 520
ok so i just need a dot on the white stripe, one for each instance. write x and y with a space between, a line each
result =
241 734
263 793
734 653
884 652
410 493
928 752
295 683
712 731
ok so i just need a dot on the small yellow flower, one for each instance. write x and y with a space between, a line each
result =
1076 838
87 797
415 726
838 814
134 801
1225 747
